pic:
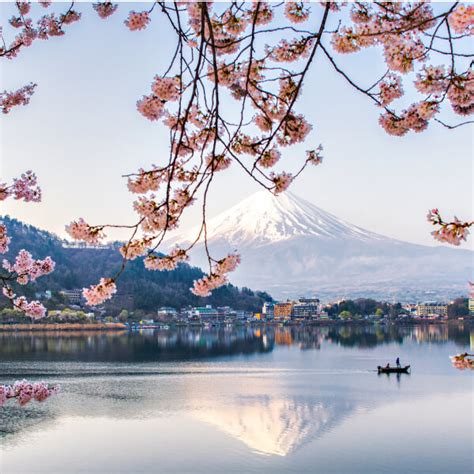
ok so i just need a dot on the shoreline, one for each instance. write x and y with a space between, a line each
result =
62 327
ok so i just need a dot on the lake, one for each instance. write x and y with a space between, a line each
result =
241 399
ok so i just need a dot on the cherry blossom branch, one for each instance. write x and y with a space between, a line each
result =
243 51
23 392
453 232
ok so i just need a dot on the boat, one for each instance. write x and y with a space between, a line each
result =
393 370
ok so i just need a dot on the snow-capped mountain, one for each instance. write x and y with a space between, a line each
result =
291 247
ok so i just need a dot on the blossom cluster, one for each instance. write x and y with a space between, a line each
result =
217 277
23 188
137 21
97 294
28 269
462 19
450 232
4 239
8 100
166 262
463 361
104 9
24 391
33 309
47 26
81 230
135 248
400 29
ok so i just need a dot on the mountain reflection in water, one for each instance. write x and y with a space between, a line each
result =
278 391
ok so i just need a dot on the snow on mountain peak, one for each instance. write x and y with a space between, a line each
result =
264 218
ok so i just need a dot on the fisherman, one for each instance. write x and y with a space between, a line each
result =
398 362
387 366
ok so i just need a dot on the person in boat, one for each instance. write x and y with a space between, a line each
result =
398 362
387 366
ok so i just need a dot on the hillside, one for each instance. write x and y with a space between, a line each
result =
81 267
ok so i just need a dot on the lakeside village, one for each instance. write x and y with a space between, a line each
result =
303 311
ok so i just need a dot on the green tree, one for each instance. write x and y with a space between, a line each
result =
345 314
123 315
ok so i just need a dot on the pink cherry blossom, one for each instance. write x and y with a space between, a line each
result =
294 130
431 80
315 157
166 88
345 41
137 21
227 264
288 52
463 361
166 262
461 93
462 19
24 391
145 181
105 9
22 96
281 181
97 294
33 309
269 158
70 17
27 269
151 107
204 286
4 239
390 89
296 12
8 292
218 162
25 188
80 230
135 248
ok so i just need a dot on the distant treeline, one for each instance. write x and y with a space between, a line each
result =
367 306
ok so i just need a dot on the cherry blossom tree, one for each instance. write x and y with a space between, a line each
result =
259 54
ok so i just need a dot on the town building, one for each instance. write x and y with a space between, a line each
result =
207 314
167 314
471 306
306 308
73 296
283 311
432 309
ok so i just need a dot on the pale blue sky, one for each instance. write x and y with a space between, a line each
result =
81 132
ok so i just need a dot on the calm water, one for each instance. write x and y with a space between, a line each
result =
241 400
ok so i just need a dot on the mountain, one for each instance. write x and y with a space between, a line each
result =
138 288
291 248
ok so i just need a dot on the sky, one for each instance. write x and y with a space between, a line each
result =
81 133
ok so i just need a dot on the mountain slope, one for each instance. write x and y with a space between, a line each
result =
291 247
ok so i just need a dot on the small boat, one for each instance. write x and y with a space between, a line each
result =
393 370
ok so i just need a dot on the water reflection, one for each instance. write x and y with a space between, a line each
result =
189 343
275 425
274 391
